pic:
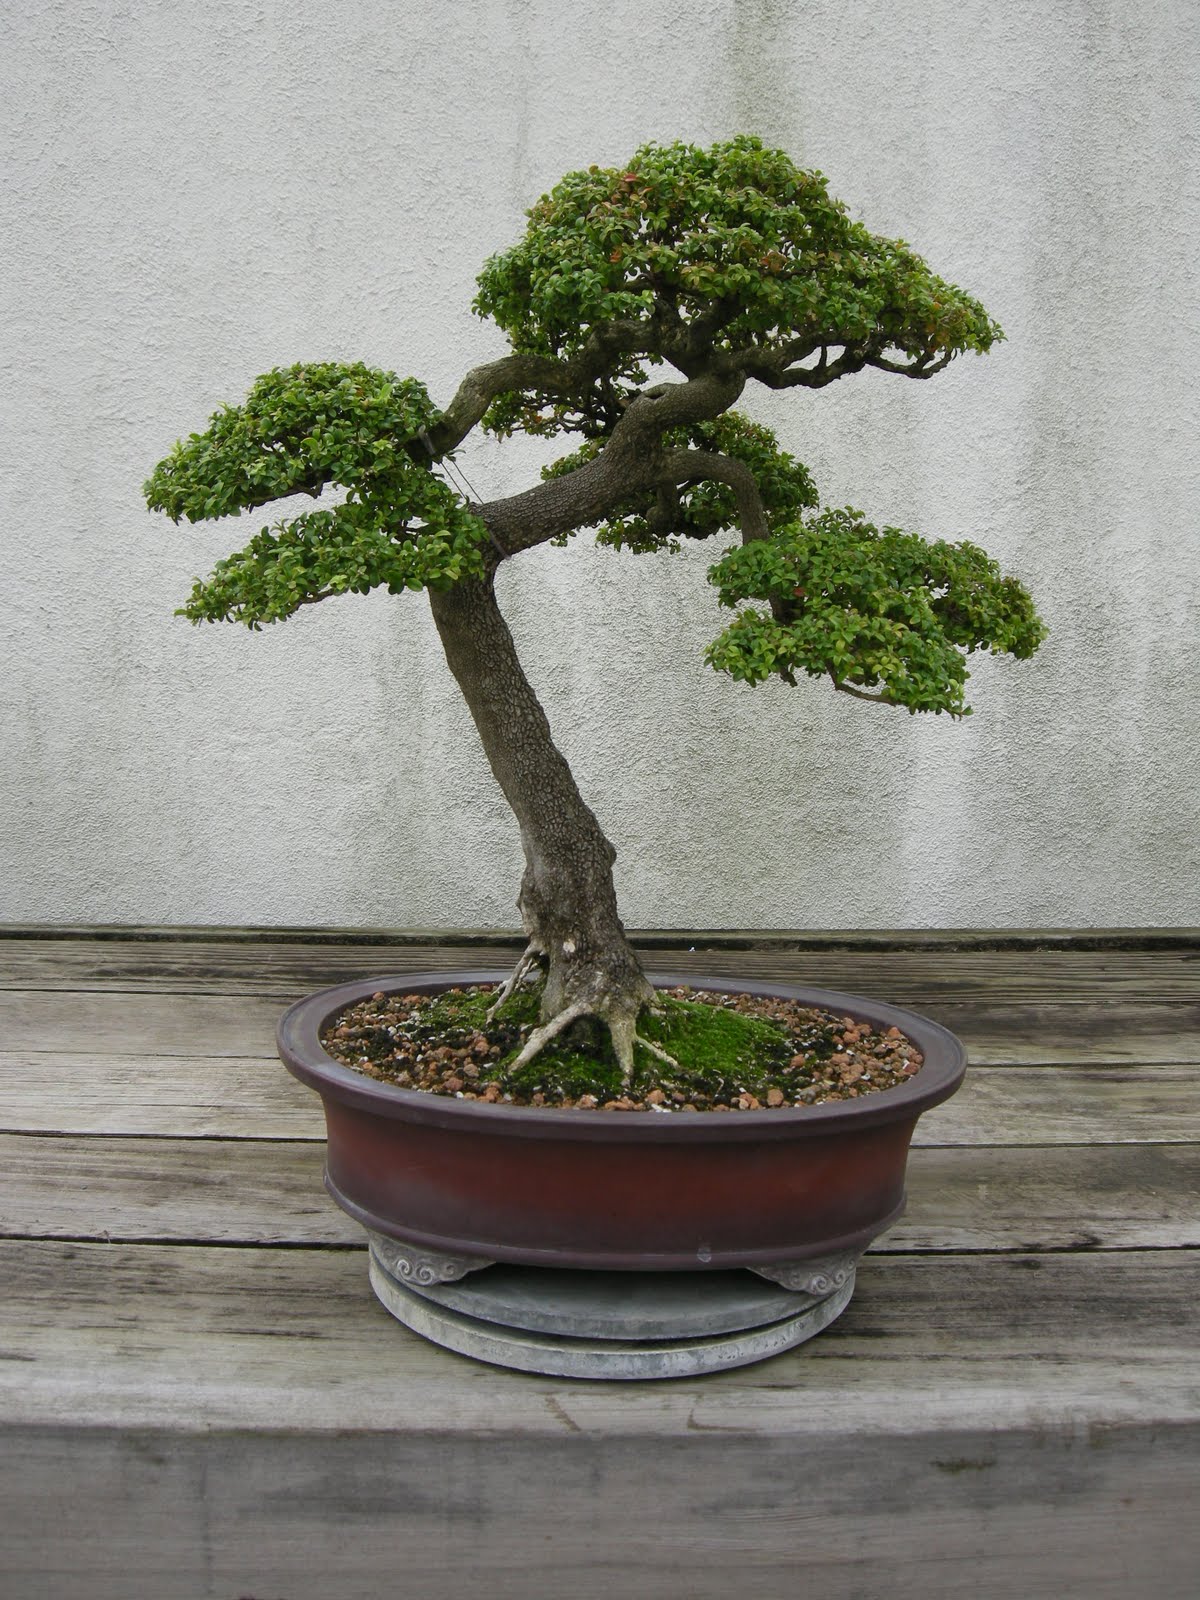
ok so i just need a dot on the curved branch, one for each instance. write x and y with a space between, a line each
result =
657 410
631 462
782 375
923 367
859 694
686 466
545 374
766 363
778 369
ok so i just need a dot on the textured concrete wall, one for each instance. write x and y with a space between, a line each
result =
197 193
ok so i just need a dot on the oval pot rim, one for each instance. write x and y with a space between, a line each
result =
300 1049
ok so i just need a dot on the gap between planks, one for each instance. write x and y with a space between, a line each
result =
254 1097
992 1198
108 1023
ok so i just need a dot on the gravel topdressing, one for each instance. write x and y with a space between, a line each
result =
441 1044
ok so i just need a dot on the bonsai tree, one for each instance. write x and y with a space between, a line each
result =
727 267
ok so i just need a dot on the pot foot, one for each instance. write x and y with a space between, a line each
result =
819 1276
420 1267
614 1325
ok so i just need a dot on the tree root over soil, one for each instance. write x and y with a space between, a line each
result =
617 1009
728 1052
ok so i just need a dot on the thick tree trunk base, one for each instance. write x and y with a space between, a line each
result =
567 901
584 977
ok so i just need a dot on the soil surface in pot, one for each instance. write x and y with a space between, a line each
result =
736 1052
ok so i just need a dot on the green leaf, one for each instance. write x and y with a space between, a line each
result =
302 428
880 610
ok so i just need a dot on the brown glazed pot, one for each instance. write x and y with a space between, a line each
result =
617 1189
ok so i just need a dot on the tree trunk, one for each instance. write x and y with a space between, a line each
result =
567 900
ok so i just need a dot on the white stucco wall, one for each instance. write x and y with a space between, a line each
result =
197 193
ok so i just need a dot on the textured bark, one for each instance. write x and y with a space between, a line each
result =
567 900
633 459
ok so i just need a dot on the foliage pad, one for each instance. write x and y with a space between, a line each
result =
877 610
299 430
735 241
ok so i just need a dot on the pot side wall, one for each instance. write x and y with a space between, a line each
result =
559 1201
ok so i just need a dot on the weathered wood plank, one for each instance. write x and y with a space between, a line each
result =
162 1514
201 1190
139 1024
254 1098
1049 1035
247 1191
166 1517
1068 1105
284 971
217 1423
154 1335
186 1097
104 1022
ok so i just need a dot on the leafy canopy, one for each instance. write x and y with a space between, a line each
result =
299 430
727 262
734 242
874 610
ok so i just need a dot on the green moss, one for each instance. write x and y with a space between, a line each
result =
720 1051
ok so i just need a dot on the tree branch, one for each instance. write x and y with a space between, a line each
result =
853 359
923 367
544 374
631 462
859 694
687 466
778 369
771 362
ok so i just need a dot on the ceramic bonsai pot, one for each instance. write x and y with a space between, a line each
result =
445 1186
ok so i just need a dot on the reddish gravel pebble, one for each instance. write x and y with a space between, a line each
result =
378 1038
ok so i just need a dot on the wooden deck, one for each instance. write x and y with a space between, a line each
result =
200 1397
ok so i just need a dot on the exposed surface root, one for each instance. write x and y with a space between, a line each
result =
663 1055
573 990
623 1029
626 1029
531 958
541 1037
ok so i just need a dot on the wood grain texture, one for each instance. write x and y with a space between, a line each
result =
199 1396
199 1337
250 1514
252 1097
259 1192
287 970
214 1423
107 1022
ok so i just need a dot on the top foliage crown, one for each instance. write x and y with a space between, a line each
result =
731 264
736 234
